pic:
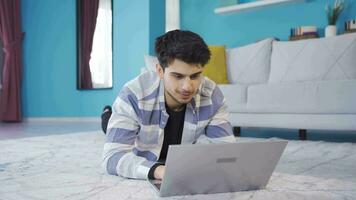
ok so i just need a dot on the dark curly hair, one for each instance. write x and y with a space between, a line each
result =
186 46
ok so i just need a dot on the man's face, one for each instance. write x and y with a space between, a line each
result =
181 82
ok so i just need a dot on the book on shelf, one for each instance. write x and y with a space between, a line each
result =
303 31
350 26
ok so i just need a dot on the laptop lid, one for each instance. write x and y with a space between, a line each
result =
217 168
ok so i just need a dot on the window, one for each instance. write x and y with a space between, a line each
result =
101 55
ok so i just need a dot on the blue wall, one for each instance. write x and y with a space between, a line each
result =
249 26
49 75
157 21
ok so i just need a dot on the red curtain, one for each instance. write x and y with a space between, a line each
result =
11 35
88 15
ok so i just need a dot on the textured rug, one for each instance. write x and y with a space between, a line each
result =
68 167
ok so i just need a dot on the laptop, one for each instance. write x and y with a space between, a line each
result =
217 168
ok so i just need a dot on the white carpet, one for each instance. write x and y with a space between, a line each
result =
68 167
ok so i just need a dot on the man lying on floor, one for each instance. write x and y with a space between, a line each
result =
173 105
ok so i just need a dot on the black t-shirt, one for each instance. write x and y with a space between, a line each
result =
172 135
172 131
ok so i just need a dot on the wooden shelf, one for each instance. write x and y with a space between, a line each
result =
302 37
252 5
351 31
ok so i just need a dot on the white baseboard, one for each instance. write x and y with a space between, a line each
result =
62 119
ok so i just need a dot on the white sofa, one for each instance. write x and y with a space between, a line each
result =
306 84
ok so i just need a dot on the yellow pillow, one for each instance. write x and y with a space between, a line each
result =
216 67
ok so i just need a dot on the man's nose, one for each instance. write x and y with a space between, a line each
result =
187 84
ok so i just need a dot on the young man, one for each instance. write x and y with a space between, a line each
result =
173 105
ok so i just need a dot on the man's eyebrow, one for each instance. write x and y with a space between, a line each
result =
196 73
176 73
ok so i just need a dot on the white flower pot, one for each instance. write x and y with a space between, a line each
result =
330 31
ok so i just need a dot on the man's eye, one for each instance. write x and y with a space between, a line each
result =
195 76
178 76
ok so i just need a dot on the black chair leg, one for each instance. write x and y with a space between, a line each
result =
237 131
302 134
105 120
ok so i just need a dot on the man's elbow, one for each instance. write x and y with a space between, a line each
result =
105 168
109 164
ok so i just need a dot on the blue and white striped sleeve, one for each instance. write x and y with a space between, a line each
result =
219 129
118 154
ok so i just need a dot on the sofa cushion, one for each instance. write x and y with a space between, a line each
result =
329 97
215 69
331 58
235 96
249 64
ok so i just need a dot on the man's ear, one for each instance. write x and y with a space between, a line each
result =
159 71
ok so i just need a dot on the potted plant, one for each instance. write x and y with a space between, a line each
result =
332 13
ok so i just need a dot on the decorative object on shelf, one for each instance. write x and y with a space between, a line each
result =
350 26
303 32
330 30
332 14
243 6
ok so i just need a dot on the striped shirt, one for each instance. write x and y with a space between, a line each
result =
136 128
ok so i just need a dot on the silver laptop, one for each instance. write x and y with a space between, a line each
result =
216 168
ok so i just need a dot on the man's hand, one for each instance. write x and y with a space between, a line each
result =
159 172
